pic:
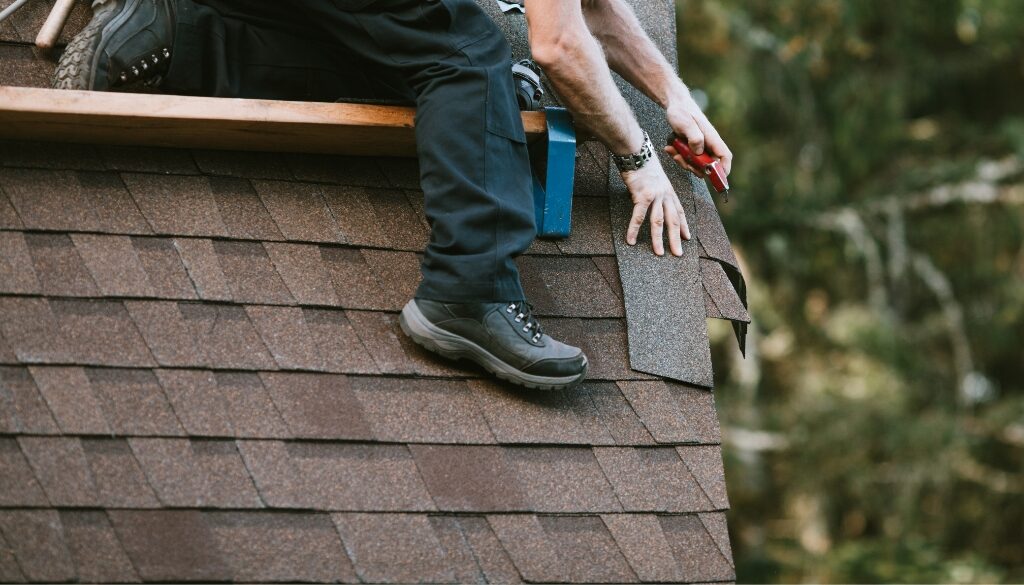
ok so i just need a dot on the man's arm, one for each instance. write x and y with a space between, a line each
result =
632 54
563 45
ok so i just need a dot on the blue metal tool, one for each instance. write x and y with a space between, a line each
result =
552 199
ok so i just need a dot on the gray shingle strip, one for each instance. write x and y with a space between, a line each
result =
95 549
710 308
36 537
717 285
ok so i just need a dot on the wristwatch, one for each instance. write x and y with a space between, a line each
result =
636 160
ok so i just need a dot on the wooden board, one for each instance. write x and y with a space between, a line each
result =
218 123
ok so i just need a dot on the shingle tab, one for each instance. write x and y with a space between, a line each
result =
562 479
188 473
8 216
394 548
48 200
458 555
642 541
354 283
166 332
227 335
277 479
71 400
281 547
717 527
339 345
60 466
432 411
250 273
343 170
170 545
717 285
164 268
405 228
696 552
318 406
302 268
587 548
197 401
37 539
490 555
119 480
705 463
111 204
284 333
176 205
252 411
241 210
142 159
470 479
24 410
29 327
547 417
95 549
568 287
18 485
113 264
393 351
660 411
527 543
299 211
356 215
100 332
604 342
17 274
361 477
236 163
397 273
203 268
59 267
10 572
652 480
133 402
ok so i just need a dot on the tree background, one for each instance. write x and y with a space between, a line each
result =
875 431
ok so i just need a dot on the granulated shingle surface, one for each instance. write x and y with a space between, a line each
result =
202 376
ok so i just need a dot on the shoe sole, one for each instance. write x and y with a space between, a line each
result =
453 346
70 72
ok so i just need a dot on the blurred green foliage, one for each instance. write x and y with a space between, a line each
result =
875 432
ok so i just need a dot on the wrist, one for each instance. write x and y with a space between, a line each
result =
637 159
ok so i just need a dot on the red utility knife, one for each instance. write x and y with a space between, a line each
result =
711 166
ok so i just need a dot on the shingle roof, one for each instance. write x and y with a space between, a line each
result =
202 379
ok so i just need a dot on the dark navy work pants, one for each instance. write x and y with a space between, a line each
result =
446 56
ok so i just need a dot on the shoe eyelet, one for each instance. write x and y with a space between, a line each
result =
167 53
518 320
536 338
526 329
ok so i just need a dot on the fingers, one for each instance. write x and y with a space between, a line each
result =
658 228
672 220
714 143
639 213
680 160
684 226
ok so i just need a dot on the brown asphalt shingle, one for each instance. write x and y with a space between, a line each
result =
25 410
37 540
18 485
62 470
394 548
170 545
96 551
71 400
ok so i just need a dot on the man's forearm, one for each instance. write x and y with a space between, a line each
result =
630 52
575 66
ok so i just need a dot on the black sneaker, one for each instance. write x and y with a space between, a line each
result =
127 44
504 338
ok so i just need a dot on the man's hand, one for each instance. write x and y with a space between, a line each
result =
687 120
651 191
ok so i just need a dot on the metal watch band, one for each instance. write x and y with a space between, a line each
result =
632 162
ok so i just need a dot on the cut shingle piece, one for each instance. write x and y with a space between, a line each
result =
710 307
96 551
338 343
429 411
176 205
17 273
37 539
394 548
113 264
610 270
242 211
660 411
252 411
361 477
718 286
24 409
248 164
120 482
652 480
18 485
299 211
713 239
318 406
281 547
71 400
699 557
587 548
30 329
133 402
527 543
250 273
60 466
227 336
705 463
164 268
547 417
59 267
166 332
101 332
48 200
170 545
302 268
356 215
470 479
203 268
642 541
284 333
197 401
